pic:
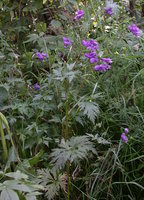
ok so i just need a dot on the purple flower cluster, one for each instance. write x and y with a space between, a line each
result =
134 29
106 65
109 10
93 57
123 135
67 42
36 86
91 45
79 14
41 56
102 67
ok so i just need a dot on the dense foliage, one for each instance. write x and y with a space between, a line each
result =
71 99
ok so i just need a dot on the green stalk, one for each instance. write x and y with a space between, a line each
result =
67 118
66 137
3 141
12 142
67 110
68 180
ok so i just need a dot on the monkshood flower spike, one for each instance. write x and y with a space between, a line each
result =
41 56
134 30
109 10
67 42
79 14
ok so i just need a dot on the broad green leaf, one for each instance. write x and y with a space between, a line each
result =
8 194
17 175
36 158
28 197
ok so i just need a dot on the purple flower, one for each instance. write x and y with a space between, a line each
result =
135 30
91 44
102 67
124 138
79 14
36 86
107 60
41 56
126 130
84 43
109 11
92 56
93 60
44 55
67 42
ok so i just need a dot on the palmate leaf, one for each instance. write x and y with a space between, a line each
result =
90 109
52 181
74 150
99 139
19 182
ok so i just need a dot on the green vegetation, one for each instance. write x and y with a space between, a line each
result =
71 100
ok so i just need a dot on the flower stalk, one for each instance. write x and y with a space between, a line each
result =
66 137
5 150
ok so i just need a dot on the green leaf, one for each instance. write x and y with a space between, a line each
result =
56 23
30 197
72 1
74 150
12 158
62 17
17 175
38 4
33 161
99 139
41 27
32 38
8 195
90 109
3 95
52 181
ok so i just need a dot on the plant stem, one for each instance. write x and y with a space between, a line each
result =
67 111
66 137
3 141
68 180
12 142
